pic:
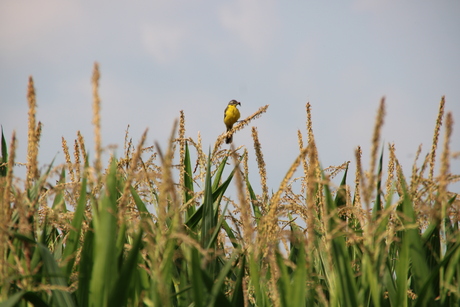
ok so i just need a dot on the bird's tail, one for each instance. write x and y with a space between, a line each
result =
229 138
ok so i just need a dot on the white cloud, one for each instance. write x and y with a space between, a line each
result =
252 21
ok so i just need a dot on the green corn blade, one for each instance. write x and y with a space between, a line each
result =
199 287
3 158
340 199
105 269
217 293
238 296
284 281
14 299
188 181
73 238
54 273
59 198
218 174
412 238
378 201
86 268
208 219
260 290
299 279
348 293
257 213
122 287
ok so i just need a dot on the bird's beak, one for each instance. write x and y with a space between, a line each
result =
239 103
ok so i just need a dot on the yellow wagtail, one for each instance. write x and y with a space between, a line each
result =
231 115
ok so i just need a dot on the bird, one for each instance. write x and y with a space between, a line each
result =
231 115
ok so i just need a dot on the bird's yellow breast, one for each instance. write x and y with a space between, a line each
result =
231 115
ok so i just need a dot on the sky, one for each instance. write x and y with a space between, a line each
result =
159 57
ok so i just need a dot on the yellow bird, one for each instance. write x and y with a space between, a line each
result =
231 115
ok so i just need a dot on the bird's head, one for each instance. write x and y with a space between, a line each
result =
234 102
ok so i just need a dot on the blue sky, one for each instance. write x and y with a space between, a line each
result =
160 57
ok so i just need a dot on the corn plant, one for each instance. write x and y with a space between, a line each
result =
130 234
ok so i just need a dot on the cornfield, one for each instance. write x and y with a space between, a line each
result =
127 234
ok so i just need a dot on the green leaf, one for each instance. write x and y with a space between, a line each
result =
284 281
299 279
213 238
348 293
208 219
28 296
260 291
86 268
15 298
255 207
139 203
218 174
188 181
230 234
199 288
120 292
3 158
105 268
73 238
402 267
217 297
238 294
419 268
341 197
196 217
59 198
378 201
54 273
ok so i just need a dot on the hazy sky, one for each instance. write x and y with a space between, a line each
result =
160 57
